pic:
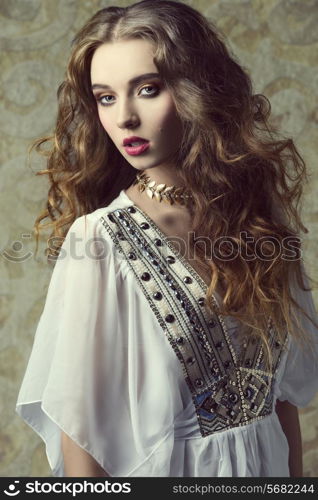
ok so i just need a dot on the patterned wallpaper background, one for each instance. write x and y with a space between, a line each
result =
276 40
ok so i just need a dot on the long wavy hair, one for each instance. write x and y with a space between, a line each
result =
244 177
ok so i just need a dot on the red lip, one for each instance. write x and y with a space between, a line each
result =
133 138
137 150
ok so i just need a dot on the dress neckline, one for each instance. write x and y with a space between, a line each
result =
165 238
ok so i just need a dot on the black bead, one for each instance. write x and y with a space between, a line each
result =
212 323
219 345
227 363
111 217
180 340
178 296
214 406
199 382
169 318
187 280
154 262
170 259
214 372
231 413
201 301
131 210
157 296
233 397
158 242
132 256
119 214
145 276
131 231
248 362
248 393
191 360
144 225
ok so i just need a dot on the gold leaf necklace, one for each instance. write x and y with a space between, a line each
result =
161 192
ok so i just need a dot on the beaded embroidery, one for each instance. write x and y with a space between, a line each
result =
229 388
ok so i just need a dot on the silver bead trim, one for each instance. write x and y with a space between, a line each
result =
192 324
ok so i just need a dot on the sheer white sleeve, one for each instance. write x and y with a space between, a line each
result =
64 384
93 347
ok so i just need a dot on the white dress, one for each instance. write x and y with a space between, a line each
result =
130 364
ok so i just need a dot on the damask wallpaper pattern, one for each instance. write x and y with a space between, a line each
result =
276 40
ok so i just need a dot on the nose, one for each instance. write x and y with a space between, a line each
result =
127 116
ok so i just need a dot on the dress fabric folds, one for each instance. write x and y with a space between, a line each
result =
127 362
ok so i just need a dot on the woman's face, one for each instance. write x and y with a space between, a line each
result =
142 108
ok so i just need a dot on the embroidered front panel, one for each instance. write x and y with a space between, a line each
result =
229 388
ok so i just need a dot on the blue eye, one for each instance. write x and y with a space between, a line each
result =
106 102
99 99
150 87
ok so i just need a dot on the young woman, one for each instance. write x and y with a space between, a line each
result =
179 333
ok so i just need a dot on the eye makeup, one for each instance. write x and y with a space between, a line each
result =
154 86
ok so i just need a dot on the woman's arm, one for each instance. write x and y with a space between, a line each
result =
289 420
77 462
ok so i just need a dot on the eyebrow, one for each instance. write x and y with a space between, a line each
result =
133 81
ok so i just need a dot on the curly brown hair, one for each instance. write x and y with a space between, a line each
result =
244 177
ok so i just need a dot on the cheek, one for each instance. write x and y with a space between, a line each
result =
105 121
167 118
169 126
